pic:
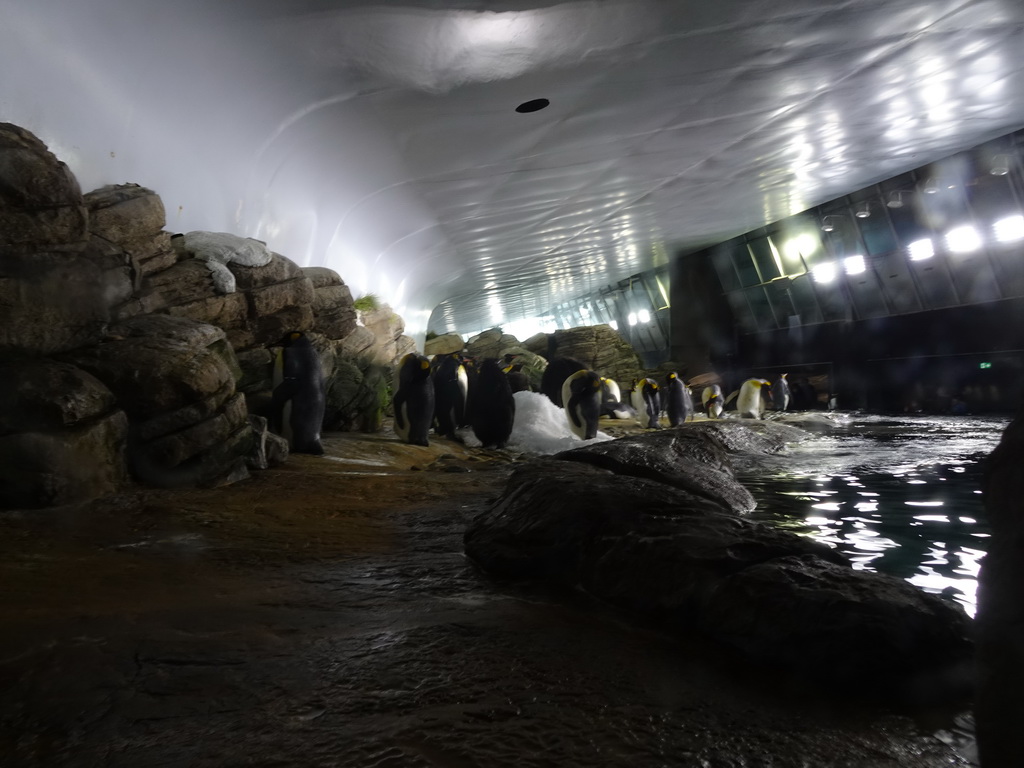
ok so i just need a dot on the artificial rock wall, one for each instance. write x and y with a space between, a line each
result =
129 352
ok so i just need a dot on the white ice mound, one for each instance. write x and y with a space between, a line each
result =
542 427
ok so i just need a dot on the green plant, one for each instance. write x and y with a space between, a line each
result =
367 302
431 335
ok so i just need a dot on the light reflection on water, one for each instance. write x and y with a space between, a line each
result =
895 495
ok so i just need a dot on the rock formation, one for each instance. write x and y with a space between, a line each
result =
127 348
655 524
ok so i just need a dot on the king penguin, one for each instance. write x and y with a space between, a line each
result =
581 394
646 399
780 393
554 376
298 401
414 400
493 406
749 404
611 400
713 401
678 402
451 384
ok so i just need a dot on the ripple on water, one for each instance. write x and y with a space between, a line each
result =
897 496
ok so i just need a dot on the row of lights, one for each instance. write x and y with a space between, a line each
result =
962 239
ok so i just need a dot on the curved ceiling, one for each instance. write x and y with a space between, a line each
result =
381 139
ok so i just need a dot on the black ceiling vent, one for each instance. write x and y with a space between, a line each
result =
533 105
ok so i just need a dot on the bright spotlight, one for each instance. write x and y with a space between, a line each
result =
632 318
825 272
614 324
919 250
963 239
801 245
854 265
1009 229
643 316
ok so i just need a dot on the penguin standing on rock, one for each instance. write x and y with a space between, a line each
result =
414 400
780 393
299 398
750 404
646 399
492 406
581 394
713 401
678 402
451 386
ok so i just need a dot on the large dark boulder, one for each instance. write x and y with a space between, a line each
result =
1000 703
62 437
685 458
175 379
654 524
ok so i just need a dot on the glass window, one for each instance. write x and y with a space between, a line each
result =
744 264
908 224
761 250
761 308
877 234
804 300
722 259
897 283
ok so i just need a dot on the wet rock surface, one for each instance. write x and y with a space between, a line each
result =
323 614
660 532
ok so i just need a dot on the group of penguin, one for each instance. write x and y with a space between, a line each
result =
448 393
451 392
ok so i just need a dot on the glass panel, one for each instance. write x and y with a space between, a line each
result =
764 259
745 266
761 308
934 284
866 294
908 224
894 276
991 199
804 300
877 234
722 259
975 281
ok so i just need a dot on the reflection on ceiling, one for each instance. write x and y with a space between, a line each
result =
382 139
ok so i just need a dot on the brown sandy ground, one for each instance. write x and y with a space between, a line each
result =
323 614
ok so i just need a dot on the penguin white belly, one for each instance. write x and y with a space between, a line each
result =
711 399
749 401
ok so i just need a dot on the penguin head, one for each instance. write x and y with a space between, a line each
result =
288 339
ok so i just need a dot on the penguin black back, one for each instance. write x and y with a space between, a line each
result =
554 376
414 400
678 402
493 407
298 401
450 389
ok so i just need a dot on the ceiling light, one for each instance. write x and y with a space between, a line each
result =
930 187
1000 165
963 239
613 324
801 245
825 272
895 199
632 318
919 250
1009 229
863 210
827 224
854 265
643 316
